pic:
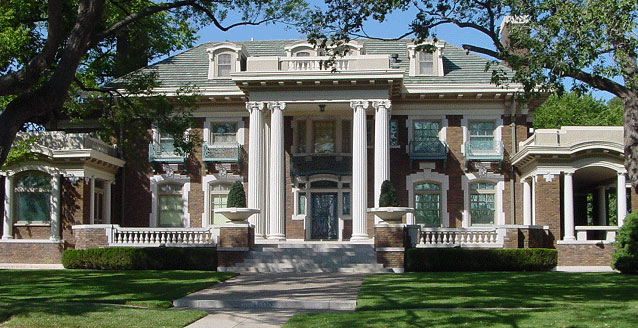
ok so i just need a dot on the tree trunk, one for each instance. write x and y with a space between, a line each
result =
630 105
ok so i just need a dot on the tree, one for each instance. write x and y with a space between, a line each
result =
236 195
625 255
388 197
574 109
60 57
593 42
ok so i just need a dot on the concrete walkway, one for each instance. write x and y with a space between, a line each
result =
270 299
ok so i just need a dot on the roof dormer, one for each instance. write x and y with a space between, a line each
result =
225 58
423 63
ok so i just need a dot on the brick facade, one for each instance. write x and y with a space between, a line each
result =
34 253
584 255
548 206
90 237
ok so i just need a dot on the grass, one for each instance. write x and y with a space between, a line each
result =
538 299
79 298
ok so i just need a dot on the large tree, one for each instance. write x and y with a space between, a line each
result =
577 110
57 57
593 42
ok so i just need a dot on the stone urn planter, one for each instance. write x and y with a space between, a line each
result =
237 215
391 214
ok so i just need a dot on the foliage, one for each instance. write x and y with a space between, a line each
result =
625 255
21 152
388 197
459 259
135 258
84 298
572 109
236 195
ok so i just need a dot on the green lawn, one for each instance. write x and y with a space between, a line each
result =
531 299
79 298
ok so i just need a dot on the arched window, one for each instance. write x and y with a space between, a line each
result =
170 205
482 202
218 199
33 197
302 54
427 203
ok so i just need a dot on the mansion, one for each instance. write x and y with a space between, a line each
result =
312 140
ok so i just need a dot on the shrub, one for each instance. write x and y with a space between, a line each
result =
625 256
459 259
133 258
388 197
236 195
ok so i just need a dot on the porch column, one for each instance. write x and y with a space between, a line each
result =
7 227
382 111
255 172
56 203
621 190
602 206
277 175
568 205
527 203
265 167
359 170
107 200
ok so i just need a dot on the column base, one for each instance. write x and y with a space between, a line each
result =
359 238
569 238
7 237
277 237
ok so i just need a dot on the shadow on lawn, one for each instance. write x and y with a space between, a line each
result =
494 289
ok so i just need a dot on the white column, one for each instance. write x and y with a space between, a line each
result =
92 197
56 203
265 166
621 190
602 206
277 174
568 206
7 227
107 200
534 200
255 172
527 203
381 147
359 171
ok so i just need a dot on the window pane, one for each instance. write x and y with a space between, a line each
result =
427 186
223 59
302 54
301 204
218 201
481 128
482 208
324 137
170 187
426 63
427 209
482 186
36 180
223 70
346 203
33 206
323 184
224 133
170 211
223 65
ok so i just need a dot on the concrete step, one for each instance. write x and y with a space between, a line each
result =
298 304
239 269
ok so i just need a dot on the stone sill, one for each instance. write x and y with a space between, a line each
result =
583 242
31 224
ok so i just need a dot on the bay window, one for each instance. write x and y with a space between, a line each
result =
33 197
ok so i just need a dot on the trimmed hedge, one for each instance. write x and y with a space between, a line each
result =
625 255
459 259
136 258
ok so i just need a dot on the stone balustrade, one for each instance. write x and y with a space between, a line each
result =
107 235
461 237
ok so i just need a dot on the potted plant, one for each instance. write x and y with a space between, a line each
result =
389 210
236 210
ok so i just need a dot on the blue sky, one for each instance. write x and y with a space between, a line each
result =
395 25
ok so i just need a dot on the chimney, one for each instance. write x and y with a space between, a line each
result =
509 24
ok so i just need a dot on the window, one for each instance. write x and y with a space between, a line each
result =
301 137
301 204
394 134
482 199
482 135
427 203
346 203
302 54
170 205
223 65
426 63
324 136
426 136
98 206
218 199
33 197
224 133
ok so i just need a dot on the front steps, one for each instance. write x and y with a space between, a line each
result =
311 258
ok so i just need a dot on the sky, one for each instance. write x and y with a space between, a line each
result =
395 25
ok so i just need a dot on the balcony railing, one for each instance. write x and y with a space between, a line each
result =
315 64
430 148
154 237
164 153
221 153
461 237
58 140
484 151
606 233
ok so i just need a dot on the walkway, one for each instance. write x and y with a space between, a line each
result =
270 299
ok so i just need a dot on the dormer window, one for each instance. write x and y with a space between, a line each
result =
426 63
302 54
224 66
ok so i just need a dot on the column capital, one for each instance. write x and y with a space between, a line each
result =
568 173
385 103
276 105
359 104
254 105
620 173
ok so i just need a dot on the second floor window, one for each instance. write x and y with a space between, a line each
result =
224 133
482 135
223 65
426 136
324 136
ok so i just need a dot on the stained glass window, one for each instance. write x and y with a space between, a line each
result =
427 203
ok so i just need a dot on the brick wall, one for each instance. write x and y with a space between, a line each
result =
584 255
32 232
455 162
73 209
36 253
90 237
548 206
389 236
391 259
234 237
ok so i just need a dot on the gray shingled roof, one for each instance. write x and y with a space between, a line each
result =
191 66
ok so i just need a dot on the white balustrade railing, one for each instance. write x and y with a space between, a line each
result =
608 232
320 63
153 237
461 237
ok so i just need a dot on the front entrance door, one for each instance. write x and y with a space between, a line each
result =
324 216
